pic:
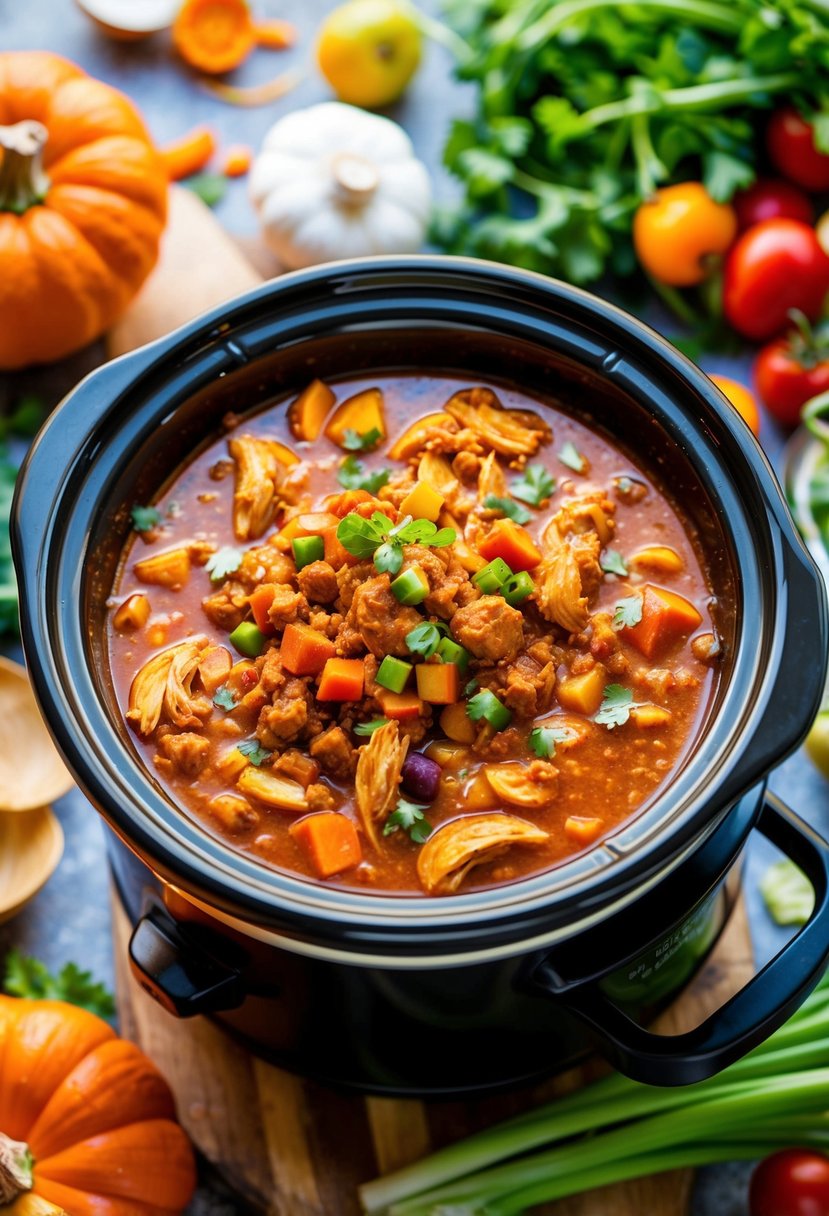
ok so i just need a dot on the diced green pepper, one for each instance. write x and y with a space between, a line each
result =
411 587
451 652
493 576
486 705
393 674
518 588
248 639
308 549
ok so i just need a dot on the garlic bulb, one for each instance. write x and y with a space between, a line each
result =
336 182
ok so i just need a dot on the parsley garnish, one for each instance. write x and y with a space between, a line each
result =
470 687
534 485
543 740
352 475
144 519
223 698
223 562
512 510
616 706
612 562
628 612
572 457
379 538
28 977
361 441
411 819
425 639
388 559
254 751
368 728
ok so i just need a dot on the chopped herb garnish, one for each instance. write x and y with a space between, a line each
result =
377 536
411 819
223 698
628 612
543 740
506 506
29 978
615 707
254 751
534 485
361 441
368 728
223 562
353 475
572 457
486 705
425 639
388 559
470 687
144 519
612 562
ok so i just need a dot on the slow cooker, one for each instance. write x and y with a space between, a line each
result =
410 995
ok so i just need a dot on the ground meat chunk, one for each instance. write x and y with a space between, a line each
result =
489 629
529 687
271 673
187 753
605 639
287 606
335 753
228 606
297 766
466 467
264 564
349 579
377 620
319 797
318 583
285 720
449 584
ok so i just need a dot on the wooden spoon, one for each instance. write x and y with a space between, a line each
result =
31 845
32 773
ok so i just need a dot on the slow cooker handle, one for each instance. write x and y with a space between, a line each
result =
754 1013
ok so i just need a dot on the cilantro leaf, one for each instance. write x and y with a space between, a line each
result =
612 562
361 537
30 978
388 559
352 475
368 728
254 751
615 707
572 457
223 698
222 563
410 818
506 506
144 519
425 639
534 485
628 612
543 740
361 441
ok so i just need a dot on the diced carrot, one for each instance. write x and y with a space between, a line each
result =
666 617
237 160
305 651
310 410
274 35
342 680
400 705
310 524
334 552
438 683
330 841
260 601
170 569
414 437
133 613
188 155
361 413
214 668
512 543
457 724
583 694
583 829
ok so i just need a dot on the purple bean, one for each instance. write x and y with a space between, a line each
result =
420 777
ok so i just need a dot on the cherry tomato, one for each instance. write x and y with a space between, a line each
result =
790 370
741 398
773 267
676 231
769 199
792 1183
790 141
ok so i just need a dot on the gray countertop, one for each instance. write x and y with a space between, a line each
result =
69 920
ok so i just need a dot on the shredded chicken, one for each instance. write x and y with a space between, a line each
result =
571 572
259 473
378 776
510 432
454 849
491 479
533 786
162 689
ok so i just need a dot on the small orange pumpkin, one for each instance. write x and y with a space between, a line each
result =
83 201
86 1121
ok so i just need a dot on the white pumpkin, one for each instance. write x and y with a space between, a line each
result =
335 182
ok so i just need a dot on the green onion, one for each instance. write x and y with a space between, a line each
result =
493 576
451 652
248 639
393 674
411 587
308 549
486 705
518 588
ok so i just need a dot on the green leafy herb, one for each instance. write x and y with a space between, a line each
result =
144 519
368 728
379 538
787 893
210 187
255 752
612 562
223 698
30 978
361 537
8 580
534 485
615 707
361 441
506 506
388 559
411 819
572 457
469 687
352 475
223 562
628 612
425 639
543 740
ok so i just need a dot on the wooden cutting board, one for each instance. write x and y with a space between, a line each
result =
290 1147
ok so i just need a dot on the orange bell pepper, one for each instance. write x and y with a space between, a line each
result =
438 683
305 651
666 617
342 680
400 705
329 840
512 543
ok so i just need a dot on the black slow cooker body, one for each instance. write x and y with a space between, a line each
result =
493 986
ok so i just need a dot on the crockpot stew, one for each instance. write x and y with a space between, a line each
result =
413 635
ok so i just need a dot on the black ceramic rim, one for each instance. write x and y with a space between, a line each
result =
89 437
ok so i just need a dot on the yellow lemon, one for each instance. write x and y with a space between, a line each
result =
368 51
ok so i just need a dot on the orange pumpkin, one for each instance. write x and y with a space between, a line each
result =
86 1121
83 201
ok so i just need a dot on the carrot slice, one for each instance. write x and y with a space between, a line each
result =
512 543
342 680
189 154
329 840
666 617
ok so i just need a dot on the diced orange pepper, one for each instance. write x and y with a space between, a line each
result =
342 680
583 829
361 503
361 413
260 601
310 410
329 840
305 651
438 683
335 553
512 543
400 705
666 617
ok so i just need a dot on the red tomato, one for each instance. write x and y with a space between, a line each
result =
792 1183
787 373
790 142
770 199
771 268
